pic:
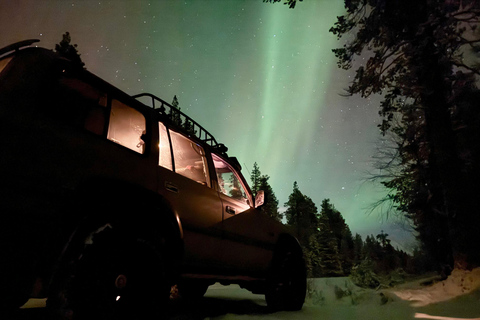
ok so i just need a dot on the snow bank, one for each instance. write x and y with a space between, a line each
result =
340 299
460 282
340 291
327 299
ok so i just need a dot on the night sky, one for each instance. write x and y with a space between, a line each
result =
260 77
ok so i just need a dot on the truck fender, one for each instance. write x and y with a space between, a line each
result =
133 212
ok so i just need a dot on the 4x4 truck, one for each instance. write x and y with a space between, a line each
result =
107 200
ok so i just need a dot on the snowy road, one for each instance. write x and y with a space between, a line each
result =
329 299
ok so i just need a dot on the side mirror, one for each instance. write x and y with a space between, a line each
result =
259 198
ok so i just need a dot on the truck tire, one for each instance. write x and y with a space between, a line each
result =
287 281
114 278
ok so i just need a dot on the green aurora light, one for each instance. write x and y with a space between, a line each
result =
260 77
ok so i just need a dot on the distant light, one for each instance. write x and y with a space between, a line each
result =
118 298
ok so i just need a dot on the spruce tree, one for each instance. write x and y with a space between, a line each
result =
260 183
270 206
255 178
330 264
341 233
347 250
357 249
301 213
69 51
189 127
174 115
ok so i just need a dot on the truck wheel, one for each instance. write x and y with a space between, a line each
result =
112 279
287 282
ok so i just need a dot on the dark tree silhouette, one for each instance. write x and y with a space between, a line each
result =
330 262
417 52
357 248
255 178
422 56
260 182
301 213
270 206
175 116
69 51
341 233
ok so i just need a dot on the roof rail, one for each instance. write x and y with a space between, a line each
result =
17 45
181 121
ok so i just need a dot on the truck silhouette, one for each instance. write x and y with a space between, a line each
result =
107 200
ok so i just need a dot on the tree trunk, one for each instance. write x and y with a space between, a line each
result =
447 177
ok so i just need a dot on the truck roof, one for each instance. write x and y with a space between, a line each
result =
175 118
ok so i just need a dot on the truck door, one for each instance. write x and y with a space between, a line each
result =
247 233
184 179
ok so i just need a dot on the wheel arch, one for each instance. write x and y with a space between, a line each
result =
135 212
286 283
286 240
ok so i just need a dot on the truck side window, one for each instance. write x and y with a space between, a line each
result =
126 126
164 153
228 181
189 159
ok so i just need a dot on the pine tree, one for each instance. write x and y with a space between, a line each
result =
293 199
311 253
341 233
69 51
371 248
255 178
260 182
174 115
330 264
357 249
387 256
189 127
301 213
383 239
270 206
347 250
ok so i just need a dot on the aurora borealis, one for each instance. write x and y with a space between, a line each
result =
260 77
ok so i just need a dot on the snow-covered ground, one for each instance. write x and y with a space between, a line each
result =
457 297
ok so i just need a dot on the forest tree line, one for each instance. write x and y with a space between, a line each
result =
330 249
422 58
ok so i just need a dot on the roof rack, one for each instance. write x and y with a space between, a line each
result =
181 121
17 45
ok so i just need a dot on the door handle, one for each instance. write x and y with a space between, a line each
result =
230 210
171 187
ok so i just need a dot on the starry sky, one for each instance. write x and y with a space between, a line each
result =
260 77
